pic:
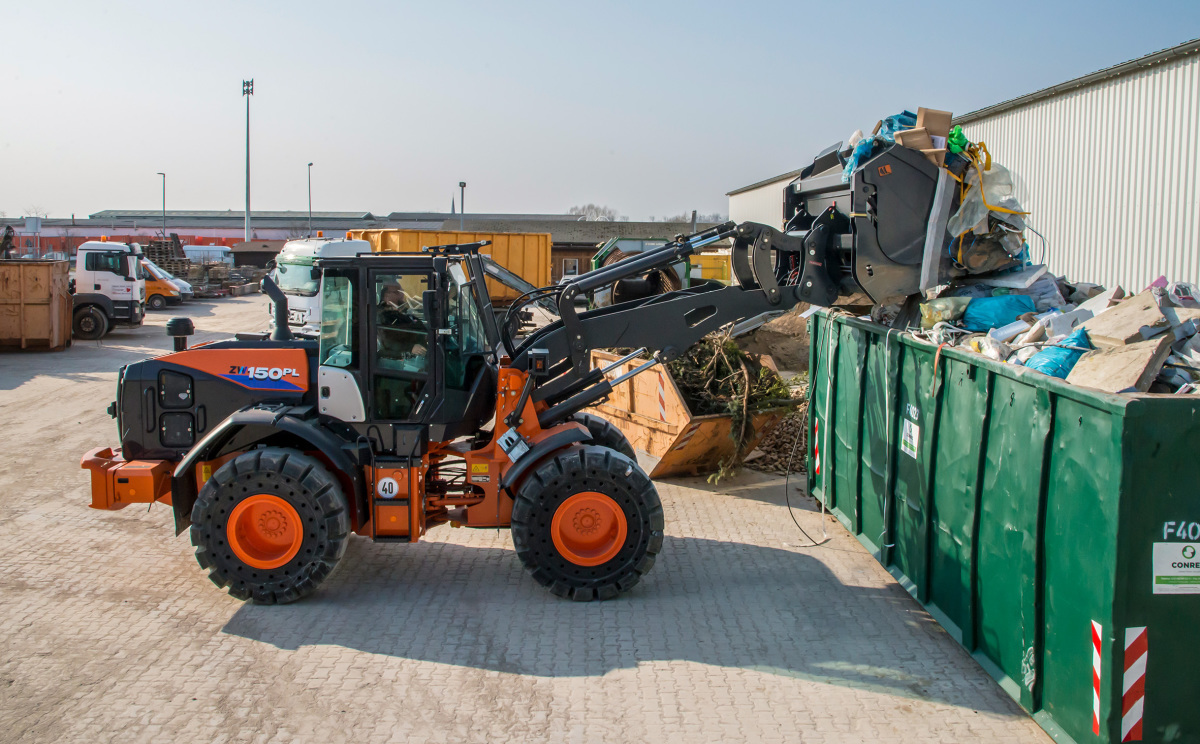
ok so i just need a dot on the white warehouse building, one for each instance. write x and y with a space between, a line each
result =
1107 164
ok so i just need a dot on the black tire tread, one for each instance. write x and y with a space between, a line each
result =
587 468
311 488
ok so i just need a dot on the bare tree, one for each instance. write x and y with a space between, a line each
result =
700 217
595 212
34 210
297 230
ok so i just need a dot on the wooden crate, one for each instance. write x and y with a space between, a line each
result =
35 305
650 411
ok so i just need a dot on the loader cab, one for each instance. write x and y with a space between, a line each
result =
403 343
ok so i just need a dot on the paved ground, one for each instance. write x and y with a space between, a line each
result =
110 632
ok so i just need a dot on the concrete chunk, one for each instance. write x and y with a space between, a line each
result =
1122 369
1136 319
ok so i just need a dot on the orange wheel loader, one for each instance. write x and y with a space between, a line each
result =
418 406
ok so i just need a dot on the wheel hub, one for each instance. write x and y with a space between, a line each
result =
589 528
264 531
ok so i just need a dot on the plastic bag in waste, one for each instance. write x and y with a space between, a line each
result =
862 153
986 313
973 214
991 348
886 135
943 309
898 122
1058 361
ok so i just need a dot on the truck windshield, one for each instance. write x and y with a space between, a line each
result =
295 276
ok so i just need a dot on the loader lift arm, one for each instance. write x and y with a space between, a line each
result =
771 271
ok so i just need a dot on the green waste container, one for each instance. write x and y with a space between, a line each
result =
1053 530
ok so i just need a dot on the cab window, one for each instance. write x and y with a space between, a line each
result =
402 341
103 261
467 338
337 327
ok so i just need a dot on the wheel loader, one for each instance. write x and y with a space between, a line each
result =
418 407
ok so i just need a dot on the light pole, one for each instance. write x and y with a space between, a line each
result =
310 200
247 91
164 175
462 203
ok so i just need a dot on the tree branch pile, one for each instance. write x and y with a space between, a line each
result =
716 377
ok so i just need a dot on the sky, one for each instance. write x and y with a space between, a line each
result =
651 108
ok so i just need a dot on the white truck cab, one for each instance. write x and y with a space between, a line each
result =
301 281
110 288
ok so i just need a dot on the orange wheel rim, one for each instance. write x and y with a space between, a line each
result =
589 529
265 531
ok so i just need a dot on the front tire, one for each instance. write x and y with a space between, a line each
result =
587 524
270 524
156 302
90 324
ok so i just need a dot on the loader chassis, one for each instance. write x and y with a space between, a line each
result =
416 408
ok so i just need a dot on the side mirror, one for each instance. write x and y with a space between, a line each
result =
271 264
315 273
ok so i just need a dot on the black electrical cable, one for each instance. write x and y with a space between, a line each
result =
787 476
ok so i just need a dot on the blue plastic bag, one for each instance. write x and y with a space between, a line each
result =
986 313
1057 361
887 134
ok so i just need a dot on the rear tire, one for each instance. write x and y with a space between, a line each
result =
90 324
587 523
270 524
156 302
605 434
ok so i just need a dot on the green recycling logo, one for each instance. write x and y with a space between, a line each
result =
1189 552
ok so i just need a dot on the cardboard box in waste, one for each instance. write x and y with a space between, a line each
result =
916 139
936 123
1122 369
1136 319
936 156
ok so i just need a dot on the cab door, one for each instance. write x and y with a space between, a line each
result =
404 371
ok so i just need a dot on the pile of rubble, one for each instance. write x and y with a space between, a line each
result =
1084 333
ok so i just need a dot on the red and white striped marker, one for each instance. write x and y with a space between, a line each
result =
1095 678
1133 689
662 399
816 447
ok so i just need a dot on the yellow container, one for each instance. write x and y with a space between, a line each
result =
525 254
711 266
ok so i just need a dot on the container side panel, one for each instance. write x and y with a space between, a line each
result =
845 434
879 392
1161 514
1081 516
913 456
1008 529
963 409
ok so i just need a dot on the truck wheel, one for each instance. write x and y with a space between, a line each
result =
587 523
90 324
270 524
605 434
156 302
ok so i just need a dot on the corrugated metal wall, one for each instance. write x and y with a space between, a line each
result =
1110 172
763 204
